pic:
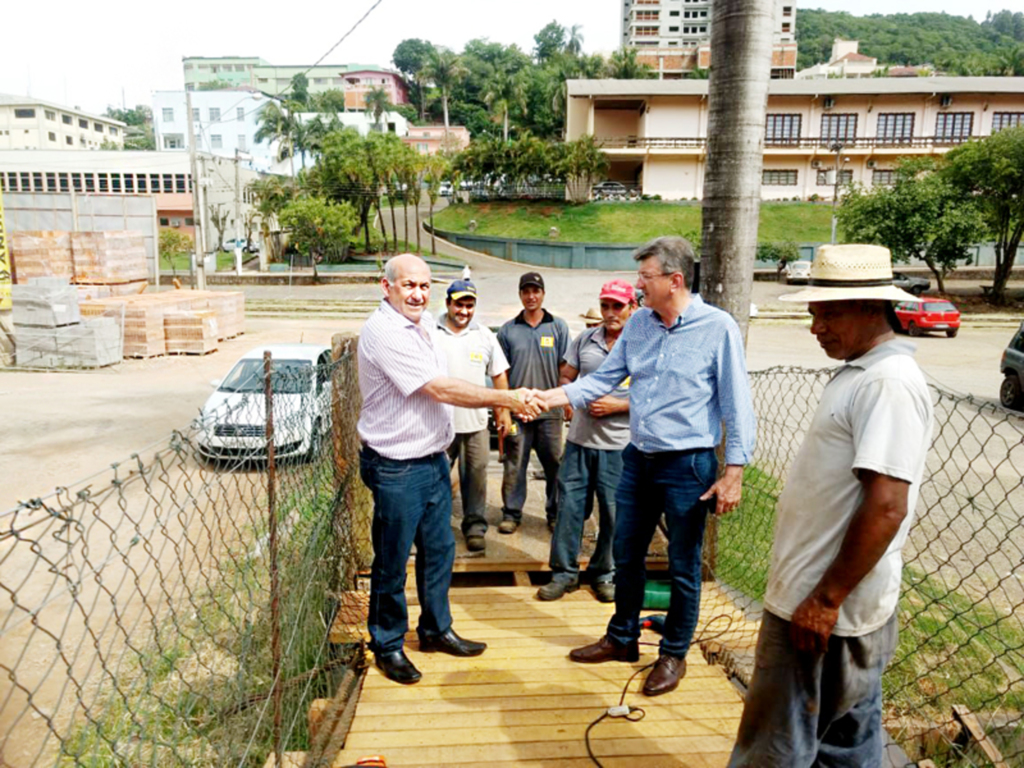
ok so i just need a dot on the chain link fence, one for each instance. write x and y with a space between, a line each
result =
185 607
189 606
954 692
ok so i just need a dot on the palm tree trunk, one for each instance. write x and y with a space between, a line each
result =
506 125
741 49
383 227
394 225
433 243
405 213
418 248
444 101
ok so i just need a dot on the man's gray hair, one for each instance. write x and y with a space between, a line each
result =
674 254
391 267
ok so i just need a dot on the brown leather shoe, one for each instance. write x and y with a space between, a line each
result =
665 677
605 649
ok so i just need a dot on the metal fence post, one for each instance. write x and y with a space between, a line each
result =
275 608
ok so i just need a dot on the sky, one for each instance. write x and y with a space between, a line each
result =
94 55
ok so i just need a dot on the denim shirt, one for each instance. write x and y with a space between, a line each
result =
686 381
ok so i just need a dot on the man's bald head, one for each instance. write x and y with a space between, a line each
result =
406 283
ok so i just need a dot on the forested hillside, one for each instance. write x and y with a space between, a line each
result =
953 44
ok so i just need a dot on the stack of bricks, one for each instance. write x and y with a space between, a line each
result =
110 261
192 332
143 319
229 307
41 254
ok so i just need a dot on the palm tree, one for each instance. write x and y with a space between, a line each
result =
280 123
504 90
445 69
741 52
377 102
574 45
623 65
272 194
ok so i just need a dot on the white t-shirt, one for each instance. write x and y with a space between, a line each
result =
473 356
875 414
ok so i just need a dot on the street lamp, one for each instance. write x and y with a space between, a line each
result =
837 148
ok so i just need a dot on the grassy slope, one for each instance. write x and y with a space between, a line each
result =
626 222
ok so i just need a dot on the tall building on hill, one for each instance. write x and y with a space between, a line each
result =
30 123
674 36
354 80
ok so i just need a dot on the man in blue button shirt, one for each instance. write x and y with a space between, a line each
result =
688 377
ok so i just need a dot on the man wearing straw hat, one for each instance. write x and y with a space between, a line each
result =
829 626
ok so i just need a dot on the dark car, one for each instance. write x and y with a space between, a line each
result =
911 283
928 315
1011 393
609 190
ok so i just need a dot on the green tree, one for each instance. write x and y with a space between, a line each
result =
173 245
320 228
992 172
411 55
581 163
574 44
444 69
299 90
329 102
504 91
277 122
271 194
216 85
138 132
377 103
623 65
921 216
549 41
436 168
342 173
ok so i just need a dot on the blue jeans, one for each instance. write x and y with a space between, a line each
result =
543 436
654 483
806 710
585 472
412 504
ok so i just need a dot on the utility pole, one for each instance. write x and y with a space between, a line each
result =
238 217
198 270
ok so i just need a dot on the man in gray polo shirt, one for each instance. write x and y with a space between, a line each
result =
473 355
534 342
592 463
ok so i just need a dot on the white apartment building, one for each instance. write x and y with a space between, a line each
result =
29 123
654 132
687 23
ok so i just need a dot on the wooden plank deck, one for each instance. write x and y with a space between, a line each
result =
523 703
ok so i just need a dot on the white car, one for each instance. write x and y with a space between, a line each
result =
797 272
232 423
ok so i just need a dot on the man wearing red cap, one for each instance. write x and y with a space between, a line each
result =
592 462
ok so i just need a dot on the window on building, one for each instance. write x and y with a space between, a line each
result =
883 177
90 182
240 114
113 131
51 136
646 32
154 182
953 127
774 178
841 128
82 123
66 119
195 115
673 29
214 114
242 143
845 177
129 183
787 10
647 15
104 183
97 127
76 182
786 27
895 127
168 114
69 141
1002 120
24 113
673 13
140 179
189 221
164 221
51 182
782 129
179 183
216 141
50 115
168 182
174 141
37 181
62 179
26 181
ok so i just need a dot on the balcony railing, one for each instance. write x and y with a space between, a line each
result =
659 142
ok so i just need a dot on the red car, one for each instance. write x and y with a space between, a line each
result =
928 315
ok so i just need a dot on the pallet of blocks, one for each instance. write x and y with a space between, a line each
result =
191 332
116 260
40 254
229 307
144 334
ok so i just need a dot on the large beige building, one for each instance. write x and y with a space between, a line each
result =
654 132
28 123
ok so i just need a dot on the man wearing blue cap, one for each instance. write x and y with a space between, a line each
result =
473 354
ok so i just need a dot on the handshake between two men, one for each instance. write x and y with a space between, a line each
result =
530 403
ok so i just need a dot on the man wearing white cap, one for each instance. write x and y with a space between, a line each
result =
829 626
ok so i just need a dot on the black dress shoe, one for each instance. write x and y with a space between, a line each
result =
396 666
451 644
665 677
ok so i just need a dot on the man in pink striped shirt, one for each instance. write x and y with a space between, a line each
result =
405 426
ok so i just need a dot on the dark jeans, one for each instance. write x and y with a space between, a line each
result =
412 504
806 710
545 438
655 483
585 472
472 450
